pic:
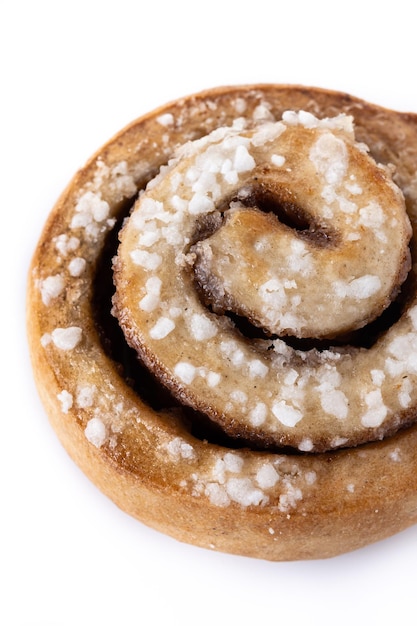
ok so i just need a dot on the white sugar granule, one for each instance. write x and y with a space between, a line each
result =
145 259
404 349
262 113
267 476
178 448
378 377
85 396
238 357
202 328
95 431
338 441
278 160
267 132
242 491
286 414
310 477
359 288
77 266
300 259
66 338
90 208
231 350
230 175
372 215
51 287
289 499
65 244
257 369
258 414
45 340
334 402
219 471
290 377
233 462
163 327
166 119
306 445
329 156
377 411
404 394
66 400
213 379
122 180
150 301
217 494
200 204
240 105
186 372
239 396
243 161
395 455
149 237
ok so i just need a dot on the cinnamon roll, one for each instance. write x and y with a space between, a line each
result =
222 317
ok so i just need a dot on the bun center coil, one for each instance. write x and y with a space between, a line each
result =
293 226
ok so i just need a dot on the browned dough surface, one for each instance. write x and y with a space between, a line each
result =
276 506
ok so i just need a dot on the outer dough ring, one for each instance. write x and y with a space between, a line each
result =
150 465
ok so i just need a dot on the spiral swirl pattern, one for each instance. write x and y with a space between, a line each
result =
338 274
173 467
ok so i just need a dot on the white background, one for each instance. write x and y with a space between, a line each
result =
72 74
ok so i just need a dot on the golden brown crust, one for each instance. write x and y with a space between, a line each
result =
324 281
254 503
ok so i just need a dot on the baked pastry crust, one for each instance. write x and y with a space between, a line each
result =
203 489
327 280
